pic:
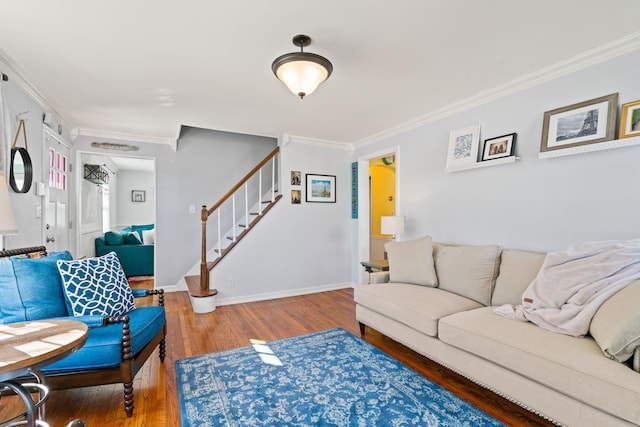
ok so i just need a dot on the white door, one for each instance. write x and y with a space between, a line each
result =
56 200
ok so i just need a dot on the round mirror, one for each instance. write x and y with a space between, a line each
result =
21 173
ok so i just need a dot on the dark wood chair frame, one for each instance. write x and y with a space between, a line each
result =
130 364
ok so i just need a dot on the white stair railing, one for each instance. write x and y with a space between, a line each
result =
232 223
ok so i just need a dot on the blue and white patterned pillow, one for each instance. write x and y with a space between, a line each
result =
96 286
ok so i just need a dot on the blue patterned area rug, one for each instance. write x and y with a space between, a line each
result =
329 378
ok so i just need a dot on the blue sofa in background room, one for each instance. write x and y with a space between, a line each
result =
134 246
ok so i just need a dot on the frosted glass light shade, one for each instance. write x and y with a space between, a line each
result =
392 225
7 220
302 77
302 72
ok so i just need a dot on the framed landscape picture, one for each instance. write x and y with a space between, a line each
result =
630 120
463 145
320 188
587 122
501 146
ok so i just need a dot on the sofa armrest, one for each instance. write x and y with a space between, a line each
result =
636 359
379 277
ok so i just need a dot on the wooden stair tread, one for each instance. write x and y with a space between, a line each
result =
193 284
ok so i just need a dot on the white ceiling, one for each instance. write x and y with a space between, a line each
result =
146 67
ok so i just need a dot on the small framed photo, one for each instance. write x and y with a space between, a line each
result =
629 120
585 123
501 146
137 196
463 145
296 197
296 178
321 188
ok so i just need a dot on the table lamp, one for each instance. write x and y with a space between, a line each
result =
7 220
392 225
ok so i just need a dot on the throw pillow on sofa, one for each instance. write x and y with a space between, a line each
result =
131 239
149 237
469 271
112 238
411 261
616 324
96 286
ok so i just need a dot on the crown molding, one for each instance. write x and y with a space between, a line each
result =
576 63
121 136
23 83
287 139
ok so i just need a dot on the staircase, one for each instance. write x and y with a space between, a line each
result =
233 217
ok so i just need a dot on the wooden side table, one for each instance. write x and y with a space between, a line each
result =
378 265
25 348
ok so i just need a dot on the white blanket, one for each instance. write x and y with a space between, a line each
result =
571 285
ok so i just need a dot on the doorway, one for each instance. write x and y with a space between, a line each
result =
365 203
122 196
382 196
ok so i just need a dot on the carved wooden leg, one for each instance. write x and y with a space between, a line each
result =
128 398
362 328
162 349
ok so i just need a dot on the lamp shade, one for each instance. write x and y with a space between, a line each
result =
392 225
7 220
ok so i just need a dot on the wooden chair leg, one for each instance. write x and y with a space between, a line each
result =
128 398
162 349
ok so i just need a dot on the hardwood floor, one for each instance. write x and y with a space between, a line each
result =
189 334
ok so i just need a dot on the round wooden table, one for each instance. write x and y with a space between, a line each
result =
25 348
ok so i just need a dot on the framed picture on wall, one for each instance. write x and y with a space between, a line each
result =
630 120
463 145
137 196
584 123
501 146
321 188
296 197
296 178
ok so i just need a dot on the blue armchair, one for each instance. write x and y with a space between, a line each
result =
116 347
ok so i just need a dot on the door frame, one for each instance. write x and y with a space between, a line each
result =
364 201
79 176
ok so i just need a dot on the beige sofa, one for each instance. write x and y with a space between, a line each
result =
437 300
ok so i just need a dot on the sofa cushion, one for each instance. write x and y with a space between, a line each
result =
103 347
517 271
411 261
419 307
616 324
96 286
573 365
469 271
131 239
30 288
112 238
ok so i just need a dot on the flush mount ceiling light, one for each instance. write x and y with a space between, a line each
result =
302 72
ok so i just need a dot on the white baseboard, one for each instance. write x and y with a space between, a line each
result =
221 300
281 294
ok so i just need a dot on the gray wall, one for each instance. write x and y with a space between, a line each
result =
205 166
531 204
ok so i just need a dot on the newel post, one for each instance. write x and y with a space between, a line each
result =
204 271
